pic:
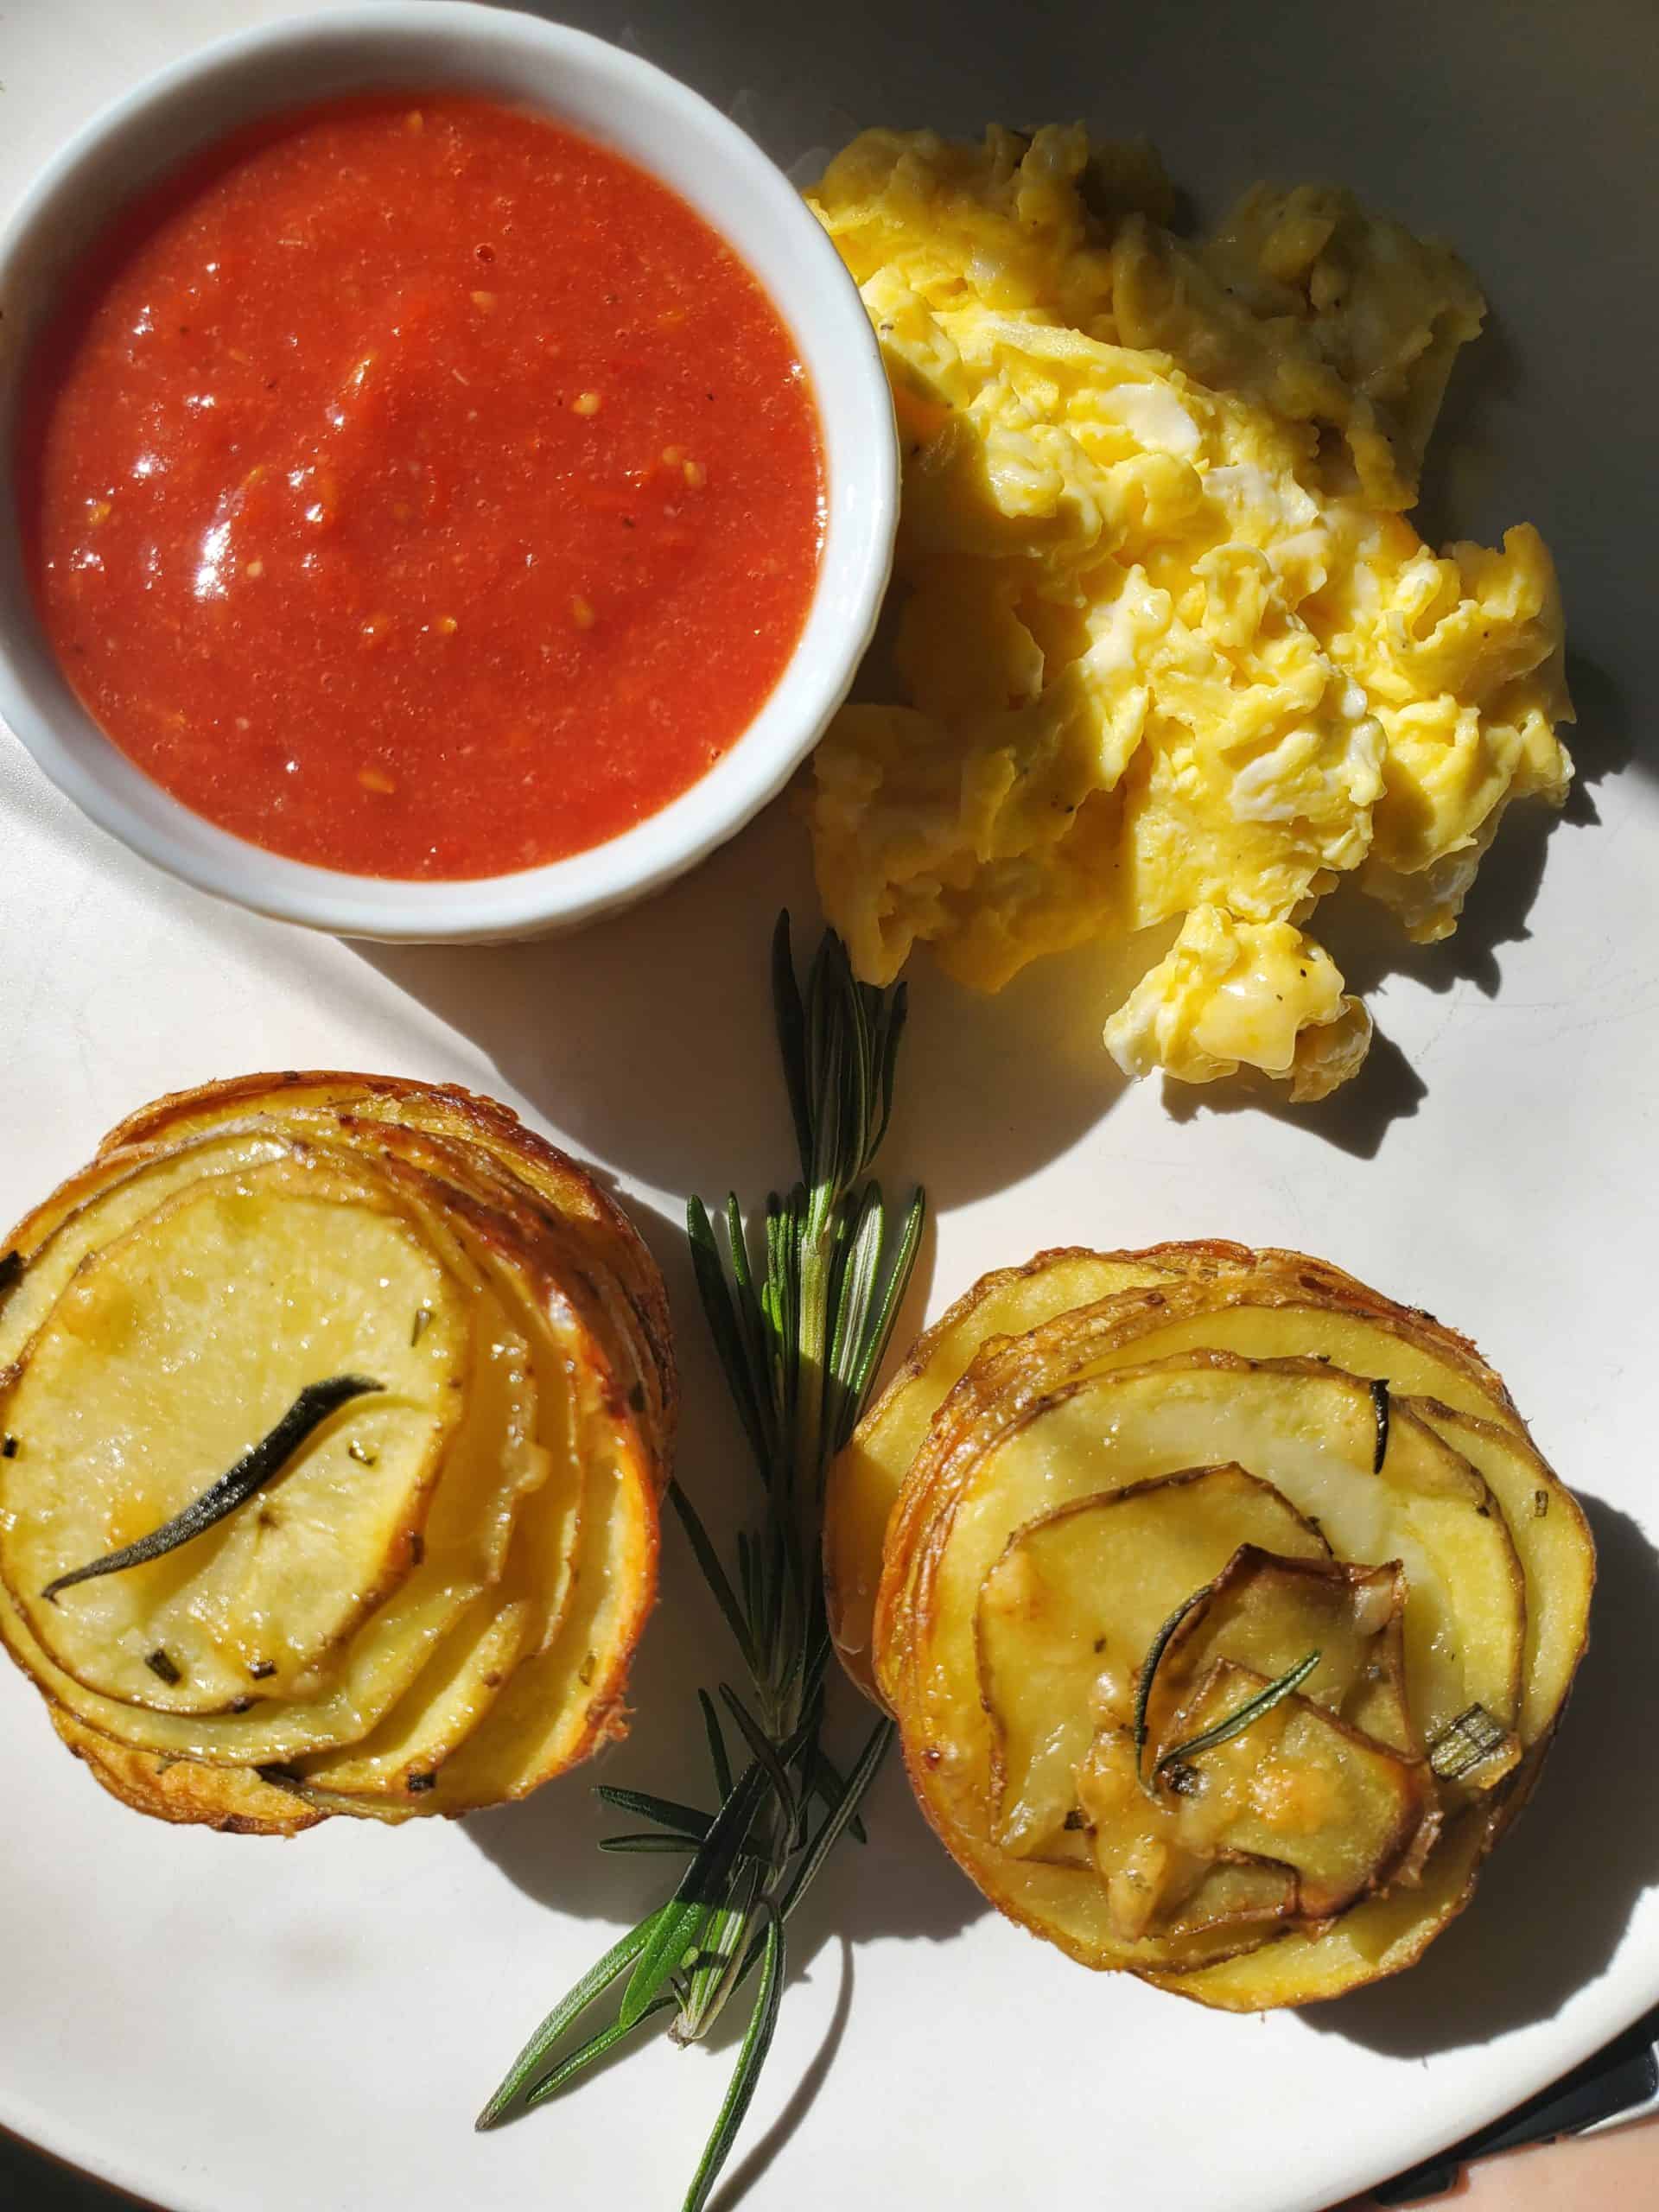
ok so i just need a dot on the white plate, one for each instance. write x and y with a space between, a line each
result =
227 2026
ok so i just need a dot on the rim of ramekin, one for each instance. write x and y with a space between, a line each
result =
684 140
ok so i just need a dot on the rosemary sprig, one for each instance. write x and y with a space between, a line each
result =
801 1331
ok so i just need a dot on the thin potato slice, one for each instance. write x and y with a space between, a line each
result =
1259 1316
573 1201
490 1465
1267 1613
1379 1936
564 1702
138 1392
1218 1296
458 1686
1552 1540
1309 1430
99 1205
1299 1788
867 1477
232 1799
1068 1612
466 1676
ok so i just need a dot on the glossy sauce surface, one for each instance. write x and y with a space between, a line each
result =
416 488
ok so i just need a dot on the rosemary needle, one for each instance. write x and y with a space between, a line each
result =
260 1464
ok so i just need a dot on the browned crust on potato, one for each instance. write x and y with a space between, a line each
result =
232 1799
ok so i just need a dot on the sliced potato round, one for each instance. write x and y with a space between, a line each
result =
1299 1790
1552 1540
1068 1612
867 1477
570 1201
1308 1430
156 1370
492 1590
232 1799
1379 1936
1286 1789
1267 1613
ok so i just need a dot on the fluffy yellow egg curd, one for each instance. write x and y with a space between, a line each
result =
1161 646
1226 1608
424 1597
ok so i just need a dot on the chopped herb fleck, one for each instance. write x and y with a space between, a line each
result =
419 1782
364 1454
1149 1667
1380 1405
1539 1500
417 1548
418 1327
160 1664
263 1669
585 1672
11 1266
1074 1819
1464 1743
9 1449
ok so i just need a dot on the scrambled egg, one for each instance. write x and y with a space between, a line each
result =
1161 642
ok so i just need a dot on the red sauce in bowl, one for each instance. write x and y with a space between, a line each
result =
415 487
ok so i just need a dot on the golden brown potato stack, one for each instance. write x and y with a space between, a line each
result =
1226 1608
430 1604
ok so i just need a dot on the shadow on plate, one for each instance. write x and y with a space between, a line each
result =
647 1038
1553 1903
898 1883
33 2181
1370 950
746 2178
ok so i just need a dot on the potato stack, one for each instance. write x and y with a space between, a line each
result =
1226 1607
388 1380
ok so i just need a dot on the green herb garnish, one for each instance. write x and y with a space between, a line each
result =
1464 1743
1149 1667
1380 1404
800 1331
1247 1714
259 1464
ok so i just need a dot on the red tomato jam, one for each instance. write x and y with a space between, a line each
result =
415 487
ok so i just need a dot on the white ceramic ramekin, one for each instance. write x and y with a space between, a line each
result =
625 103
